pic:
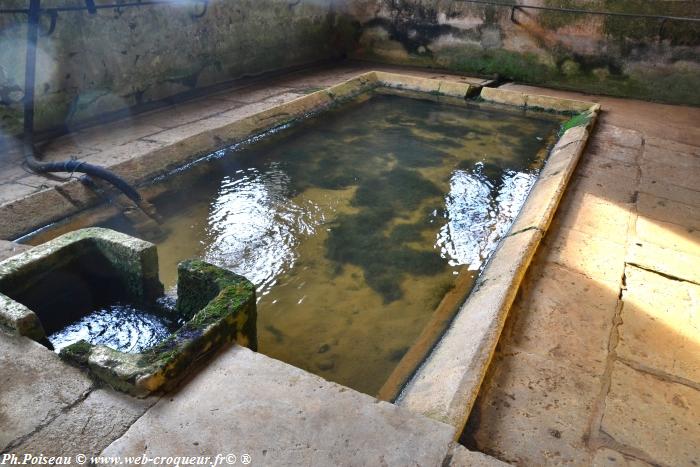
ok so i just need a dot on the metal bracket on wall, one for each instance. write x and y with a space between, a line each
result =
661 29
512 14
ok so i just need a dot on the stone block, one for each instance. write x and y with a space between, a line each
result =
596 258
534 411
408 82
36 387
455 89
354 86
564 315
654 416
557 103
32 208
93 424
660 325
502 96
670 262
8 249
446 385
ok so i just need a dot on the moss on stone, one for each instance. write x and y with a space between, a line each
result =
362 239
78 352
581 119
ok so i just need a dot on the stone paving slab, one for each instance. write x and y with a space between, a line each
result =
661 324
664 260
280 415
666 210
606 149
253 94
88 427
564 315
658 418
661 172
35 387
188 112
622 191
668 235
673 145
661 154
674 192
595 216
596 258
535 411
620 136
592 166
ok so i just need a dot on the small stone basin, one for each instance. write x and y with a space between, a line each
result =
104 285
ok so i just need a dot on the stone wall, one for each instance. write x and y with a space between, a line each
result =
598 54
95 64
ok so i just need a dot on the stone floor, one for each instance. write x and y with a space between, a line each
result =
599 363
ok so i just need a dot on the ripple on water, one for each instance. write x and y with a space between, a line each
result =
121 327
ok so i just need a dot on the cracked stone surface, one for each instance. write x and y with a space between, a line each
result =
661 324
36 387
93 423
656 417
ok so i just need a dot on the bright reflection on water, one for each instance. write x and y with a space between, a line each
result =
479 213
354 224
121 327
254 227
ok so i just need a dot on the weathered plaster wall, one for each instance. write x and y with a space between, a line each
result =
94 64
609 55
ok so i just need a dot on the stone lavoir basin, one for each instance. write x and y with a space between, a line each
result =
373 218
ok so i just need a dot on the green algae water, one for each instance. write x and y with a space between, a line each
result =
354 223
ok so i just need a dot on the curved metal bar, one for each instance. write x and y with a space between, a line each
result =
53 15
72 166
205 4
